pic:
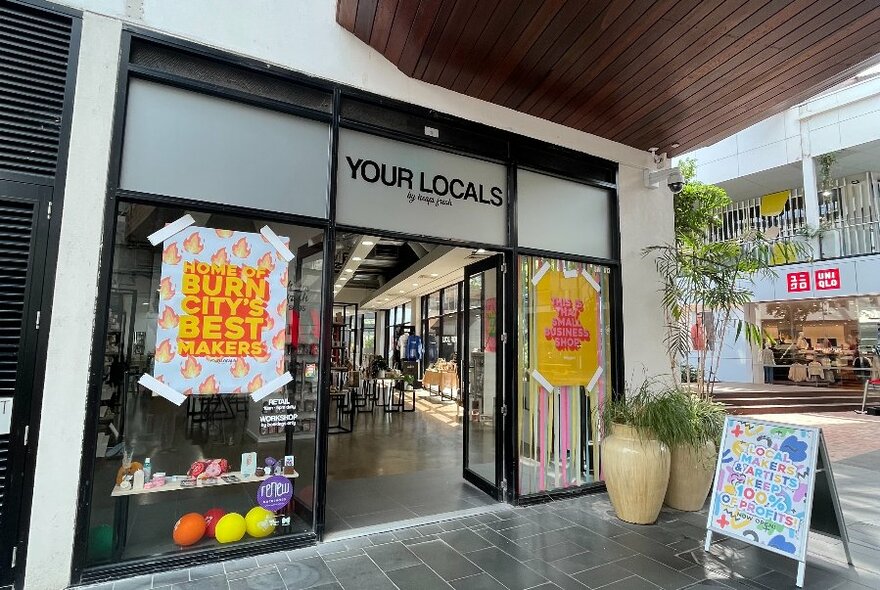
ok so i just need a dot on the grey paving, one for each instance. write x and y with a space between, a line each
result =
574 544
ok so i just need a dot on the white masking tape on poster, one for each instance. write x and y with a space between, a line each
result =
594 380
271 386
154 385
170 230
542 381
592 281
283 250
540 274
570 273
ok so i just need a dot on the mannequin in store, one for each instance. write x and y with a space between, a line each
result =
395 353
769 361
413 350
802 343
401 343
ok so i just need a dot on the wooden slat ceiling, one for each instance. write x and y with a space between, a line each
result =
646 73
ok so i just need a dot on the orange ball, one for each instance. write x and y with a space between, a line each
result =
189 529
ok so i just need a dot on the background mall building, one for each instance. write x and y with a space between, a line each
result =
809 173
430 216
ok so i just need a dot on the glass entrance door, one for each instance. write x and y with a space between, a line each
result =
482 366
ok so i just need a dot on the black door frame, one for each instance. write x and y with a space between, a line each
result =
20 461
496 263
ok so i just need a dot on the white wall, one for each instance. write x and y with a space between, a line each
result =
73 310
301 35
834 120
646 219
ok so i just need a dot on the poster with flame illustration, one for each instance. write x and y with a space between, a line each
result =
566 325
222 312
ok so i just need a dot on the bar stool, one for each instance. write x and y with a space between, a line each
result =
344 408
363 397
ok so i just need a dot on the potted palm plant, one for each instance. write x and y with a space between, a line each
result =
693 450
638 430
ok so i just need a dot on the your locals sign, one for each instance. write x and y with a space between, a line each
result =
401 187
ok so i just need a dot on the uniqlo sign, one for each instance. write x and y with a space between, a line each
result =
828 279
798 281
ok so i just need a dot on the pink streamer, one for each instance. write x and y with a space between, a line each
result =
542 426
564 419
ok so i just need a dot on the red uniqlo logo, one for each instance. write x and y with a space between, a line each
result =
798 281
828 279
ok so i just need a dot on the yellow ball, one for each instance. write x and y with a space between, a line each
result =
230 528
260 522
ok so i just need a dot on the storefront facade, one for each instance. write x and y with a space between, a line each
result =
823 313
251 157
827 315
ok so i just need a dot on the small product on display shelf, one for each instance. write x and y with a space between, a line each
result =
248 464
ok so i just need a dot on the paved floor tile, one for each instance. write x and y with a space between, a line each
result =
602 575
464 540
237 574
631 583
211 583
268 581
392 556
440 557
306 573
206 571
506 569
479 582
170 577
138 583
273 558
559 578
417 577
656 573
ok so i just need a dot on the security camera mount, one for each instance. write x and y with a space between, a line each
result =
657 178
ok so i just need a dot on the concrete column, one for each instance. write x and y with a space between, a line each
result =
646 219
811 191
59 453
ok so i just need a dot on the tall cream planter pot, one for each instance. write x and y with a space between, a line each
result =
690 476
636 474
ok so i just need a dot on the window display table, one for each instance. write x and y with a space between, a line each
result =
443 380
123 497
173 486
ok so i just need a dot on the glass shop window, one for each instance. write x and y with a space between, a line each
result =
565 363
208 403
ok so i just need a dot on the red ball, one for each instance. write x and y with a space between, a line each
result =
211 518
189 529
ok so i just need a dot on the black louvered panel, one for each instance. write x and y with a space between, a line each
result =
4 466
16 232
34 52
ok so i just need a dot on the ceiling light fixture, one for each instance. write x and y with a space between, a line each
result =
367 243
401 291
347 270
434 274
481 250
415 284
356 258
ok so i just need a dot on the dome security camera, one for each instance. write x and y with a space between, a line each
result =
675 181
